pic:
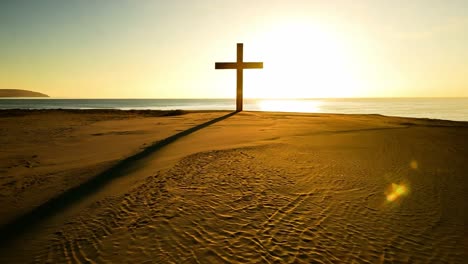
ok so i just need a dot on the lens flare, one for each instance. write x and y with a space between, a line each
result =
396 191
414 165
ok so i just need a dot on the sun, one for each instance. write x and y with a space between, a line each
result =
302 60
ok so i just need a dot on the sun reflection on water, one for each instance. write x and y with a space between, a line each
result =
289 105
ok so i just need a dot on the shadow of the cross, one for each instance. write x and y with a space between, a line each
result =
28 221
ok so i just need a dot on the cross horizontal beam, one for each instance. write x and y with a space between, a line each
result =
237 65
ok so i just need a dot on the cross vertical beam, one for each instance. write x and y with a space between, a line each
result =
240 78
239 65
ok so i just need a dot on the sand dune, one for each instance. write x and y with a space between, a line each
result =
247 188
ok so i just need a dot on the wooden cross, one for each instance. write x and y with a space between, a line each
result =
240 65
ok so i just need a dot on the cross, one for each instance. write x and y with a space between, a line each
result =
240 65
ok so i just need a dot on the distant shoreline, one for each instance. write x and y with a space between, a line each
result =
178 112
18 93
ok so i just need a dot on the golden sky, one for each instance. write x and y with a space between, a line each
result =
167 49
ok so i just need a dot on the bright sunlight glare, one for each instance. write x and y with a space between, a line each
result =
302 60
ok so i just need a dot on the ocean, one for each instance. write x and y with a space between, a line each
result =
436 108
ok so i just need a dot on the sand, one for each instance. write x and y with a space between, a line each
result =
215 187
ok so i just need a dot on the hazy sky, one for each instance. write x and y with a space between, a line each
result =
167 49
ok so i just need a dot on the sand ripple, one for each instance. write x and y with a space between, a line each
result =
270 204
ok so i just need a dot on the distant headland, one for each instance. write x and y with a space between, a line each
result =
20 93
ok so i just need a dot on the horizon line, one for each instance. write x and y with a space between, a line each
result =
233 98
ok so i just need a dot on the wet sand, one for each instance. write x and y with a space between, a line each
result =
214 187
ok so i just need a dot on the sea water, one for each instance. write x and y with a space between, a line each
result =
437 108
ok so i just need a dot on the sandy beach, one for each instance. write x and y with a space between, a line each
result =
104 186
